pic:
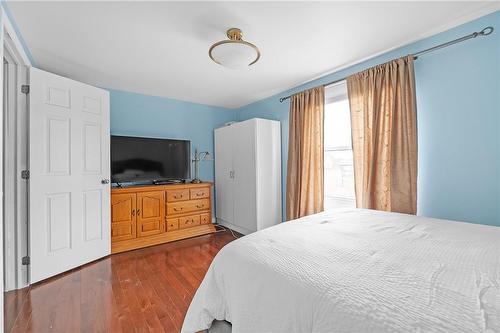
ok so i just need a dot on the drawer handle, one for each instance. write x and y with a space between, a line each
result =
177 209
200 194
200 206
177 197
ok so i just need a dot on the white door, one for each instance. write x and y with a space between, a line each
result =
69 174
245 206
223 173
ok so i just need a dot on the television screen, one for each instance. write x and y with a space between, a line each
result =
135 159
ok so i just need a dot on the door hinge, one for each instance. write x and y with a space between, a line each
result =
25 89
25 260
25 174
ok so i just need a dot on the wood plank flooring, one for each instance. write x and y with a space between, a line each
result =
146 290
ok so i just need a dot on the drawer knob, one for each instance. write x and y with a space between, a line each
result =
199 206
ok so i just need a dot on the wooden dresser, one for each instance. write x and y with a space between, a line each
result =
149 215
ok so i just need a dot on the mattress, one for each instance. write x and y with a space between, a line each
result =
355 271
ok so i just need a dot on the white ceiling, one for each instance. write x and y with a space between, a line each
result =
161 48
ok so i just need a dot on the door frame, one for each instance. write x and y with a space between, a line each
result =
10 41
15 146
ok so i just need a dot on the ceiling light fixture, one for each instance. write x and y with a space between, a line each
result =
234 53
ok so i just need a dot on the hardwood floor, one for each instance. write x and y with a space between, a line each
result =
146 290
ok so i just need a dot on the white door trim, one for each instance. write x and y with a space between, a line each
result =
14 43
16 160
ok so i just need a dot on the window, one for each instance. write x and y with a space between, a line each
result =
339 171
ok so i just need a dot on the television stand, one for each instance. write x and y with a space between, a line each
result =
146 215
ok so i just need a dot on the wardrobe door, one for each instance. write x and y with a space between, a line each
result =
268 141
223 173
245 209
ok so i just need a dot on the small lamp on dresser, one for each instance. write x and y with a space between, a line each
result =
202 156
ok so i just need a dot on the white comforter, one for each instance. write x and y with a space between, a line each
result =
355 271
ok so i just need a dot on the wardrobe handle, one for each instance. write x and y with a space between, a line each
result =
133 212
138 212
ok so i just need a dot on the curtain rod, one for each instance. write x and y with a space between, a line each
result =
485 32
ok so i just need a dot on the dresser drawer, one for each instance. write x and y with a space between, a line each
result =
199 193
183 207
177 195
189 221
172 224
204 218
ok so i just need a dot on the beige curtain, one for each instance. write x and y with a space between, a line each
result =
384 133
304 181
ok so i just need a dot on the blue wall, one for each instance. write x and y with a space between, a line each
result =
458 101
141 115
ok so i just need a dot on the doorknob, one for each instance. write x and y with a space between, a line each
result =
105 181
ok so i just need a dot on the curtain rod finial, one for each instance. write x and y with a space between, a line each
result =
486 31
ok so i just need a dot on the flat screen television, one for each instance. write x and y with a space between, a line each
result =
149 160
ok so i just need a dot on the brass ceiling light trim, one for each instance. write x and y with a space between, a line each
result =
235 37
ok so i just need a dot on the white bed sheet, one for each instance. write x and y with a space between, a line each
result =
355 271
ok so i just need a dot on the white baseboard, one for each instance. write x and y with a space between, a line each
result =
236 228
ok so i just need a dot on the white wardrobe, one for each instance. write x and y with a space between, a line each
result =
248 175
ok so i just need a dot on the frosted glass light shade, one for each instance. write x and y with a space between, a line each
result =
234 54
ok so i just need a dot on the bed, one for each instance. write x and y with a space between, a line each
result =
355 271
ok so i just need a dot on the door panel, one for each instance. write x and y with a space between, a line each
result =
245 207
123 216
223 173
91 144
150 213
59 221
68 159
92 215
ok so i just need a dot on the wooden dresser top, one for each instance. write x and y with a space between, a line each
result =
147 188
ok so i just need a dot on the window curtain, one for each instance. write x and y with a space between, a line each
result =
384 136
305 154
